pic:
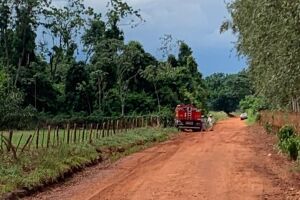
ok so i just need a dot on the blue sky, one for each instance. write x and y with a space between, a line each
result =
196 22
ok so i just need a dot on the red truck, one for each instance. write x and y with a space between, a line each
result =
188 117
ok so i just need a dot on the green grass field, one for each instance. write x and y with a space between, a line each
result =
37 166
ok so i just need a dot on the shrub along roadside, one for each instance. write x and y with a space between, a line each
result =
289 141
253 117
252 105
219 116
41 167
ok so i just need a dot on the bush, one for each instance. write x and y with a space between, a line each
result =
288 142
286 132
254 103
166 117
219 115
293 148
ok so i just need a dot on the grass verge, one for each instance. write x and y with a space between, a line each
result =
252 117
37 168
219 116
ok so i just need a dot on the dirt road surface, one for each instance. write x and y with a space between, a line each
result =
233 162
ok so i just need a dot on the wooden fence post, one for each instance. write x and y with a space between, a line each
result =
129 124
30 142
57 135
9 147
83 130
10 144
53 138
146 121
43 137
68 133
91 133
97 131
140 122
64 135
87 133
151 121
19 142
48 138
75 133
111 127
114 127
132 123
124 125
37 137
107 127
117 127
1 141
123 128
103 129
27 142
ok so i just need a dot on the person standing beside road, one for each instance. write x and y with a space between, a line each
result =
210 121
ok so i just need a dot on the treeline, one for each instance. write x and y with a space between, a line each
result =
268 36
226 91
66 60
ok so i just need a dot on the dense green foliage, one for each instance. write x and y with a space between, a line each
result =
288 141
226 91
268 36
71 61
253 103
286 132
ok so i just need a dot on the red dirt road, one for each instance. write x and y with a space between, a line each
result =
233 162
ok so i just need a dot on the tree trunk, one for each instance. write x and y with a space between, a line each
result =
99 95
157 97
123 110
6 49
89 104
35 92
19 67
20 58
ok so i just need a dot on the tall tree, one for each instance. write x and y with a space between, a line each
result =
64 25
184 53
268 38
77 89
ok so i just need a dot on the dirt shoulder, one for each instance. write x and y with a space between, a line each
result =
232 162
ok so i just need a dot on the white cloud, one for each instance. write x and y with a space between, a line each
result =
195 21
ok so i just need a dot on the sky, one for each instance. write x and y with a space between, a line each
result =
197 22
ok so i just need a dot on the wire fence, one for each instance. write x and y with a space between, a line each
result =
51 136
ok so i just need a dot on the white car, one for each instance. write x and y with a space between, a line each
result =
243 116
